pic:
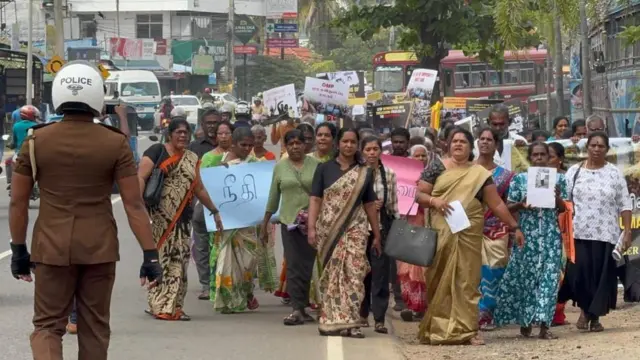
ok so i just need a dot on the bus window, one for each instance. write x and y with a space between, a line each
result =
478 75
408 73
526 73
511 73
462 76
388 78
495 76
448 83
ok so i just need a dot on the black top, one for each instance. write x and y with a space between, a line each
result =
201 146
328 173
436 167
155 151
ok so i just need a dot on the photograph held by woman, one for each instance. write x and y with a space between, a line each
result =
289 192
171 218
342 205
234 252
453 280
528 291
376 297
495 242
600 198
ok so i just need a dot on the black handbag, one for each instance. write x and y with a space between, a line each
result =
153 188
411 244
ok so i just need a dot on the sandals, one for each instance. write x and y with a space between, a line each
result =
364 322
476 341
583 322
596 326
293 319
545 334
354 333
406 315
380 328
178 316
252 303
526 331
308 318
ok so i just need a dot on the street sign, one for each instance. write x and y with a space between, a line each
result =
282 28
283 43
245 50
54 65
103 71
245 30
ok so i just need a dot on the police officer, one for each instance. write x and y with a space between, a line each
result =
75 244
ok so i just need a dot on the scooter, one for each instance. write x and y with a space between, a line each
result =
35 192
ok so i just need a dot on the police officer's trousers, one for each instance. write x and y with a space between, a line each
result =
55 288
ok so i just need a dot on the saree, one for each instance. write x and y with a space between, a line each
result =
495 250
342 234
233 258
171 228
453 280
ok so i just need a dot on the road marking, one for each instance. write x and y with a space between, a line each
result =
8 252
334 348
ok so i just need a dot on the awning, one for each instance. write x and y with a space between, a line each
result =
151 65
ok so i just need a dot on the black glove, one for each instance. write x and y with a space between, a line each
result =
151 268
20 260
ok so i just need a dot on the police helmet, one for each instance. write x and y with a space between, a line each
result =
78 87
178 112
226 108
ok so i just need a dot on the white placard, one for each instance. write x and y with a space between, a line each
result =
281 100
326 91
279 9
541 187
421 84
457 218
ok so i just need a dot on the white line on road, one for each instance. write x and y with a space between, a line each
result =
335 350
8 252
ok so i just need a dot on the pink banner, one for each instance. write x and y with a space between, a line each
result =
407 174
132 49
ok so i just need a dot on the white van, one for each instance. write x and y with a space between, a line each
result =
139 88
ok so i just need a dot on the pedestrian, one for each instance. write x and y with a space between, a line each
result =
234 252
341 207
171 217
259 150
528 290
289 192
201 146
495 242
452 290
600 198
376 283
75 244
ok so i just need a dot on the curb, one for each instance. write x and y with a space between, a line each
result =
397 343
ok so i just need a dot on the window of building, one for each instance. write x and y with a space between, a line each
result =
88 26
149 26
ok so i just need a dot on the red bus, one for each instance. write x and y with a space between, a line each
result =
460 76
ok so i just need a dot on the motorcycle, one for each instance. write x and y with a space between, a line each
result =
164 125
35 192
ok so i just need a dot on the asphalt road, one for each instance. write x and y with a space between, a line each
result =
251 335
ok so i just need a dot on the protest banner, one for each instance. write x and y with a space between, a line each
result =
281 100
390 116
407 174
355 80
421 84
327 97
240 192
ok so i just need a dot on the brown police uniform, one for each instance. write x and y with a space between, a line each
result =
75 243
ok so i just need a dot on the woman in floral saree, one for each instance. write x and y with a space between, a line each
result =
171 219
453 280
341 207
495 245
233 258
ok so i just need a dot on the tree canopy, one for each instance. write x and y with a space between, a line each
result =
432 27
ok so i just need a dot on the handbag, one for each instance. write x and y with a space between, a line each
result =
153 189
565 220
411 244
302 217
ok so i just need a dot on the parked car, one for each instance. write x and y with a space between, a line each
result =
224 98
189 103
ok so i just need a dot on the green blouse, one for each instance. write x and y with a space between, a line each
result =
290 188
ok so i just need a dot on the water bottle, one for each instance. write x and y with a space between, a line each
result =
617 251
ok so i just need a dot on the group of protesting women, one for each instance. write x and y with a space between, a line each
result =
337 201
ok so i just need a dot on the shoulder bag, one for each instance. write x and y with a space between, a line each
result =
303 215
153 189
566 221
411 244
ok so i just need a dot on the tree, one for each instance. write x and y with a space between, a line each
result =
357 54
266 72
431 27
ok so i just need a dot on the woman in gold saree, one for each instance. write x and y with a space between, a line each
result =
454 277
341 207
233 258
171 218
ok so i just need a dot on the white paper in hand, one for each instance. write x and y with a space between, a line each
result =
457 218
541 187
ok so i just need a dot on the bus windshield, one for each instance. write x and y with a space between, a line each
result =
139 89
388 78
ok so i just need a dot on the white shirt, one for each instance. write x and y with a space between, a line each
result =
503 160
598 198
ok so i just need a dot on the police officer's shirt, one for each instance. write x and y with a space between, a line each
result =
77 163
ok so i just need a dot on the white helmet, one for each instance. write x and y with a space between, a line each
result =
207 106
178 111
243 109
79 87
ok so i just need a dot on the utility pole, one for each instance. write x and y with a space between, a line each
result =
118 19
29 68
59 25
231 66
559 84
586 66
